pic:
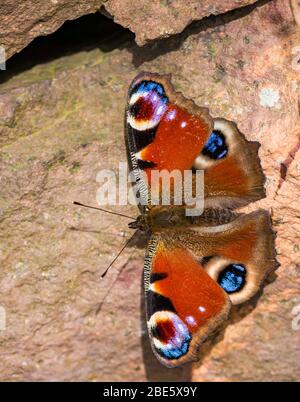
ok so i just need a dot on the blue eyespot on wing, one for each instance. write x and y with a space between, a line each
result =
170 335
233 278
216 147
146 106
149 86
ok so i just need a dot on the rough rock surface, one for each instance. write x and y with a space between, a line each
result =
21 21
60 123
154 19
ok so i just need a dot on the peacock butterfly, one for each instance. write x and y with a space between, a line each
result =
196 267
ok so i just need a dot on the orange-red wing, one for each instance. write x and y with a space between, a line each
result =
234 178
165 131
192 275
184 305
179 138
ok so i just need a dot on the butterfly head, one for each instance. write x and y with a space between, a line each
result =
140 223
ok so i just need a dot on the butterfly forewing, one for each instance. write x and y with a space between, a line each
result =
165 131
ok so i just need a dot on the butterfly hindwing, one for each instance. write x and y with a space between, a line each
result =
193 276
238 255
183 303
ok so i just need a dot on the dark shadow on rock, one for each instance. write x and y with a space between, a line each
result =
86 33
157 48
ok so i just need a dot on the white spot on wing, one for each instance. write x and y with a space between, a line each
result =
191 320
171 115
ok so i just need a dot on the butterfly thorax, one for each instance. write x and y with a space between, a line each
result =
158 218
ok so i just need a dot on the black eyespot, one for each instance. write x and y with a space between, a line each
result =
205 260
145 164
135 109
216 147
157 302
233 278
157 277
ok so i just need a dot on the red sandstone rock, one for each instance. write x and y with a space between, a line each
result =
60 123
22 21
156 19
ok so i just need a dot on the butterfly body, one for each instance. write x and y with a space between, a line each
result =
196 267
160 218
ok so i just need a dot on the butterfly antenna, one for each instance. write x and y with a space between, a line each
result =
118 255
103 210
116 278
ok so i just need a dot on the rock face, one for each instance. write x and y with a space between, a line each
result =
61 122
21 21
160 19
